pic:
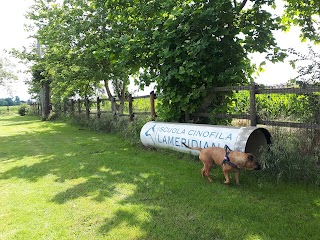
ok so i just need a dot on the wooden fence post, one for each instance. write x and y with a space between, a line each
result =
187 116
113 106
64 106
131 107
72 106
98 107
87 103
79 106
152 107
253 109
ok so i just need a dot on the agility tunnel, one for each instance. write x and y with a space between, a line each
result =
173 135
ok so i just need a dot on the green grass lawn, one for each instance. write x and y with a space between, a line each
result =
59 182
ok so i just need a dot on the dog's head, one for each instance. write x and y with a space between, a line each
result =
251 163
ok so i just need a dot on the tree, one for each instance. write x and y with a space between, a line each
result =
192 46
308 66
186 47
6 74
16 100
9 101
3 102
81 50
304 14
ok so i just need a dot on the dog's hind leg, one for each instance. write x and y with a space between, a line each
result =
205 171
226 170
226 176
202 171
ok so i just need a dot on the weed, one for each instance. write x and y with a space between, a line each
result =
109 123
293 155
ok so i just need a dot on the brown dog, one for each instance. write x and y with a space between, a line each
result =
230 161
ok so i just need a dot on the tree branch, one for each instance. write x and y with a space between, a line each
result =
235 4
106 85
244 2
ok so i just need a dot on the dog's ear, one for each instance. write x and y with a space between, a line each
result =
250 157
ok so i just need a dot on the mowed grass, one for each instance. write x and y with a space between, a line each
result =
59 182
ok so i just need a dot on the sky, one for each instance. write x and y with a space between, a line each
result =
13 35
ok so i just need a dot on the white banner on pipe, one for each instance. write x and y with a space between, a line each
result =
172 135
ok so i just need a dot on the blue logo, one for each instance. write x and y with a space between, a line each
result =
151 133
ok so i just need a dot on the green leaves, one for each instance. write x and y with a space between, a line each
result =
304 14
5 71
185 47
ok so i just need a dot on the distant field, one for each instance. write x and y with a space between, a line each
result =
11 110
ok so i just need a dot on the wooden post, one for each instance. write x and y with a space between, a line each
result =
187 116
131 107
98 107
87 103
152 108
64 106
113 106
79 106
72 106
253 110
39 108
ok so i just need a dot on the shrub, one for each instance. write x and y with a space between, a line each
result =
110 124
23 109
53 116
289 158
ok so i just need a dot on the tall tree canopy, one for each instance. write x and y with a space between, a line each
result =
185 47
6 73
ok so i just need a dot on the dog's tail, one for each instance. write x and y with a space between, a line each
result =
192 148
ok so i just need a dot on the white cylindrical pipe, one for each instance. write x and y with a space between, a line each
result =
172 135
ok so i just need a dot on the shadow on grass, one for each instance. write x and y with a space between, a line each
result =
163 197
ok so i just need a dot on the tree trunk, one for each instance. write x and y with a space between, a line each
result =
45 100
106 85
207 101
122 98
